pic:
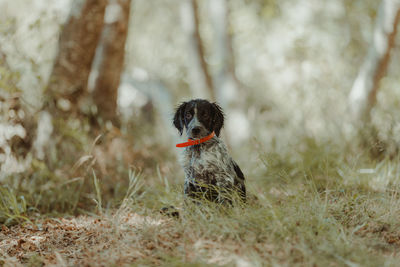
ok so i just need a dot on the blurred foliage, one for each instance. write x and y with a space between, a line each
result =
315 196
8 79
296 59
267 9
13 209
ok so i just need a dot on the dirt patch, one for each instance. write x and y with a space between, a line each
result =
83 240
383 231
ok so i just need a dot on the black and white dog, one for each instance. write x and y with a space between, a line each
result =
210 172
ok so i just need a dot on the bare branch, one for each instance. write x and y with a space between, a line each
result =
363 94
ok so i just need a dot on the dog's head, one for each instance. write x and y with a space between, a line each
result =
199 117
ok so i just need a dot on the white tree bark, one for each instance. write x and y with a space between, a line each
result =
108 64
363 93
77 46
226 85
201 83
161 97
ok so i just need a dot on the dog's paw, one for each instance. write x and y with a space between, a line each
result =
170 211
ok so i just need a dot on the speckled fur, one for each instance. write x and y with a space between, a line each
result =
209 170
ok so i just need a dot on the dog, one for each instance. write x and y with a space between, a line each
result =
210 173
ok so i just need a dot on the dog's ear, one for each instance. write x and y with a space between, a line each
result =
218 118
179 117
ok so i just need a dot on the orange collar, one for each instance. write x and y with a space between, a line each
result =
197 141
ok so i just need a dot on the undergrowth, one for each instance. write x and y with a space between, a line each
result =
314 206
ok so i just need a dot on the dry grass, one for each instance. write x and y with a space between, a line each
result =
317 207
311 203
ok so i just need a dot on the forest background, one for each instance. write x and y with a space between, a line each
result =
87 148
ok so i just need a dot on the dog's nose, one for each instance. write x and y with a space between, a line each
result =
196 130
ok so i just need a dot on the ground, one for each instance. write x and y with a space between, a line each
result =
316 205
298 224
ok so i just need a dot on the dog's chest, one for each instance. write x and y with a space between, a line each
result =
211 165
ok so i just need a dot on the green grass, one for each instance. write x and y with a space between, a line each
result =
317 205
13 208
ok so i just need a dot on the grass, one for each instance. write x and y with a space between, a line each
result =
319 204
13 209
98 200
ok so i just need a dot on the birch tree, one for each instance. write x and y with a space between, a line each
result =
202 85
77 45
226 84
363 93
221 83
224 77
109 60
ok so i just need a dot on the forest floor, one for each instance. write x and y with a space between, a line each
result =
315 207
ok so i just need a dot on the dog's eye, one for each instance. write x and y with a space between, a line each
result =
188 115
205 115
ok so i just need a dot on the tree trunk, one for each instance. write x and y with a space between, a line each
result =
109 60
363 94
226 84
76 50
201 78
200 49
